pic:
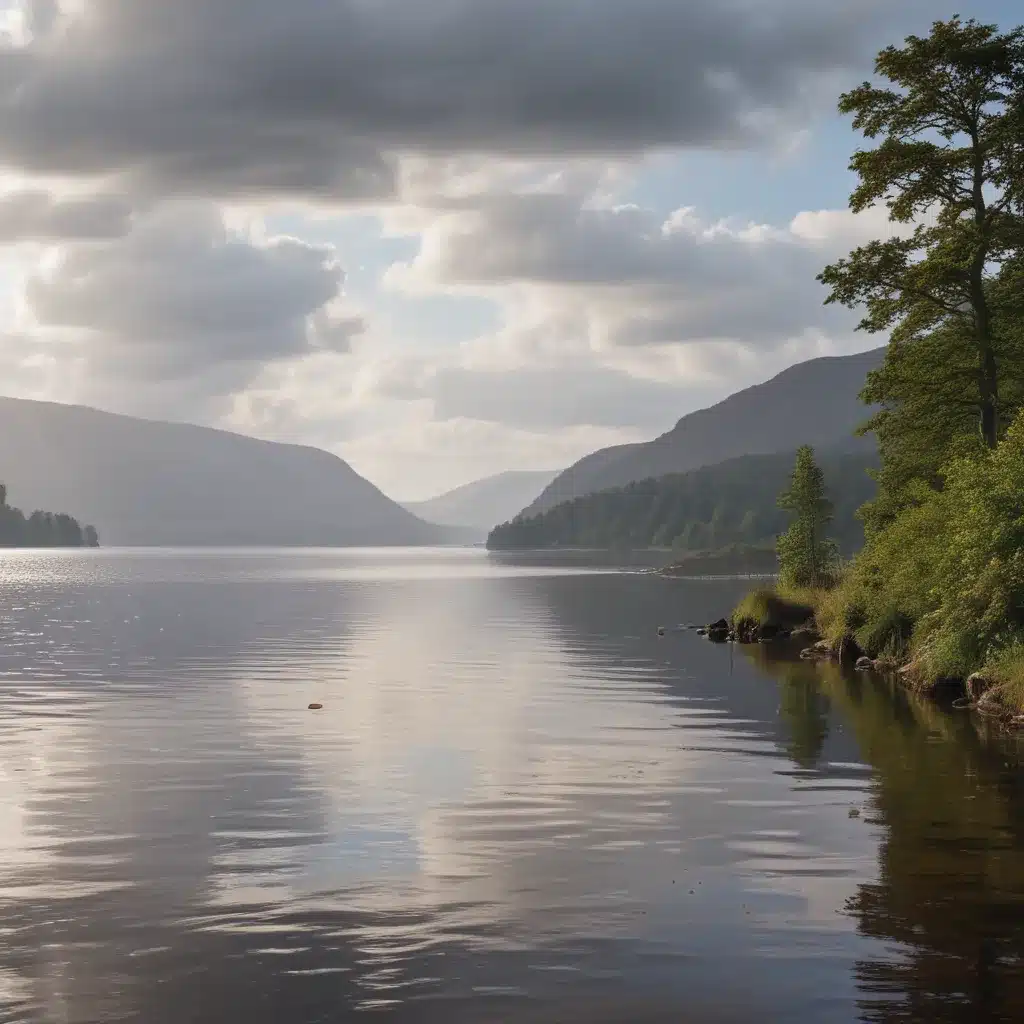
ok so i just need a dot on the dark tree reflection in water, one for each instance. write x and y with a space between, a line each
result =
949 794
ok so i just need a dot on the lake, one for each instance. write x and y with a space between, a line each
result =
517 804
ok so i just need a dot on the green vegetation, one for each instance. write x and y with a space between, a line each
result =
807 558
1006 672
41 529
944 581
773 608
940 580
951 154
730 505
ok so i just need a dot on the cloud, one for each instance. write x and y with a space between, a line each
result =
184 307
37 215
416 461
625 276
541 398
147 135
315 99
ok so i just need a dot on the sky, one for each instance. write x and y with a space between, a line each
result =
441 240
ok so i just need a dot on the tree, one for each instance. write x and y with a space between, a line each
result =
806 557
41 529
924 413
950 162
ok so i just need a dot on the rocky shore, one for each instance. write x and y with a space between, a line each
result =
978 692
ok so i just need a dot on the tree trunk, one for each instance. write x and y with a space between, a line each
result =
988 379
988 371
989 387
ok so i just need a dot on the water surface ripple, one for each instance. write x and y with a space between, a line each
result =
518 803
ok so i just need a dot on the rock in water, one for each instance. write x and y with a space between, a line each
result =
718 631
864 664
315 707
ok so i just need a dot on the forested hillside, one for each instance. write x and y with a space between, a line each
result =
813 402
732 503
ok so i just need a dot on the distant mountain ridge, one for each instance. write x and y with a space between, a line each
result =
484 503
812 402
145 482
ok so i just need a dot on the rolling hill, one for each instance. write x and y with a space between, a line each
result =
143 482
812 402
484 503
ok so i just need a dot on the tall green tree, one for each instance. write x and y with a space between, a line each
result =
926 398
949 114
806 557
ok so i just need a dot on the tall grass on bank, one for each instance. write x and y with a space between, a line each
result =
1006 671
774 607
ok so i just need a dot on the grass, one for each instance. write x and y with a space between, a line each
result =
1007 672
774 607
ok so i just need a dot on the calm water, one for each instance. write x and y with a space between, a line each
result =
518 804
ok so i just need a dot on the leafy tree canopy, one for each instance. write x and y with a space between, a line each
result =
949 115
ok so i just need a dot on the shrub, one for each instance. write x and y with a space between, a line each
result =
773 608
1007 671
944 581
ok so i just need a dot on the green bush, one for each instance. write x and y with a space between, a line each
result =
773 608
1007 671
944 581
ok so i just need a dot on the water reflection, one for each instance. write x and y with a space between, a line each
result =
950 891
518 802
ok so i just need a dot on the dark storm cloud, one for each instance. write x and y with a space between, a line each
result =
313 97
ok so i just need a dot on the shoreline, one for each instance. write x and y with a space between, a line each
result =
978 692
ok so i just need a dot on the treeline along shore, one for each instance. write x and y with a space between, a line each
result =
42 529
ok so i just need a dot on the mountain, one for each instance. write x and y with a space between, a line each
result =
142 482
484 503
732 504
813 402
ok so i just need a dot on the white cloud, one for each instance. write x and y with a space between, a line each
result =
182 312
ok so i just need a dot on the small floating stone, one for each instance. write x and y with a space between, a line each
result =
315 707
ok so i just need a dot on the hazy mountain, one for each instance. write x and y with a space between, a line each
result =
815 402
484 503
144 482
